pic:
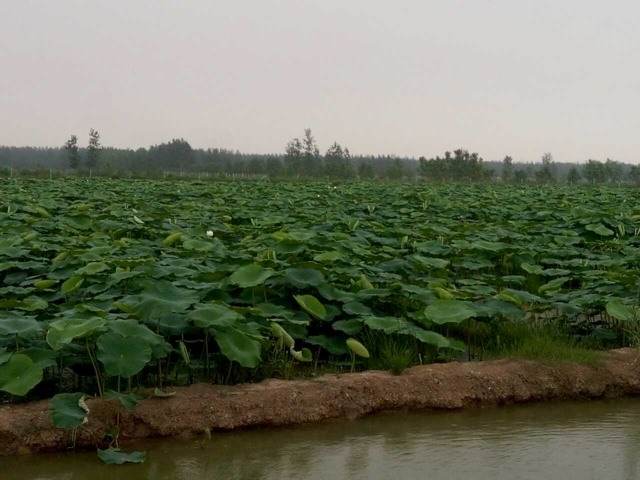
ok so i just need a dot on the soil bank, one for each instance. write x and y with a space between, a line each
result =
27 428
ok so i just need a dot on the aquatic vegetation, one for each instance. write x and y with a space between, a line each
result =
152 283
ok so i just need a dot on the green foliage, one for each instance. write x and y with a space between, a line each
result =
251 275
337 163
573 177
393 353
19 375
460 166
545 343
93 150
68 410
449 311
114 456
89 282
123 356
73 152
546 173
239 347
311 305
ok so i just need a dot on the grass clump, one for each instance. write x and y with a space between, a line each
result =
394 353
545 343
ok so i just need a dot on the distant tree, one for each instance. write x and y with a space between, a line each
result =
365 171
94 149
634 174
459 167
302 157
337 162
546 173
395 171
175 155
255 166
614 171
520 176
573 176
507 169
311 155
73 152
594 172
293 154
274 167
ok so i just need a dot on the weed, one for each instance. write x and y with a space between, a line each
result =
545 343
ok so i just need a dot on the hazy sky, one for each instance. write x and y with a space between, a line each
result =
410 77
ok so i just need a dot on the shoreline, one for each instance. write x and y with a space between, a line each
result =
27 428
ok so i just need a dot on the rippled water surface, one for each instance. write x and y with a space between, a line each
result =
558 440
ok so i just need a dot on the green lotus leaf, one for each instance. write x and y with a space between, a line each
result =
114 456
532 269
162 299
251 275
600 229
449 311
208 316
356 308
237 346
429 262
92 268
16 325
311 305
303 355
19 375
367 293
43 357
62 332
357 348
386 324
131 328
428 337
198 245
71 284
68 410
620 311
328 257
5 355
350 327
79 222
123 356
303 277
333 345
554 285
489 246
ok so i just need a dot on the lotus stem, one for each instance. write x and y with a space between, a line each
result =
95 368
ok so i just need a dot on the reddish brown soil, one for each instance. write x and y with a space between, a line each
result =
27 428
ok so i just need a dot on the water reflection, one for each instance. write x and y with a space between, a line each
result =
564 440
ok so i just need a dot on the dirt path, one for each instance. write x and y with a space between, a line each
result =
28 429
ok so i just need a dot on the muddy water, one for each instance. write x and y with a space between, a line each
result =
557 440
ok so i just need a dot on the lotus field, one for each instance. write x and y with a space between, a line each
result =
107 284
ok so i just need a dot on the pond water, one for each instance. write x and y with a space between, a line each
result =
553 440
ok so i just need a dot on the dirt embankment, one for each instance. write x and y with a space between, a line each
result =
28 429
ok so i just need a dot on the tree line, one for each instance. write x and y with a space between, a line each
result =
302 158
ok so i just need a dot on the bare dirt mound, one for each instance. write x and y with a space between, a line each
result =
27 428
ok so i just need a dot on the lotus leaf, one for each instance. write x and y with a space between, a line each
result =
123 356
19 375
114 456
68 410
449 311
251 275
237 346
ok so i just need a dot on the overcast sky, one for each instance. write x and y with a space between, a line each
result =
405 77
